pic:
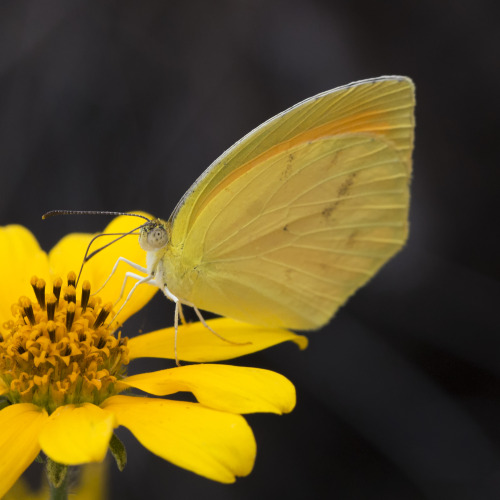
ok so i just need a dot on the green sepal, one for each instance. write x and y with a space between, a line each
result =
56 473
118 451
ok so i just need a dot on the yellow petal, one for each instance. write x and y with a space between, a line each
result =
77 434
20 426
196 343
68 255
20 258
235 389
213 444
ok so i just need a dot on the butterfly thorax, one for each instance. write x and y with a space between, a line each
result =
164 260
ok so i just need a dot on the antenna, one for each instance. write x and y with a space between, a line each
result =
52 213
88 255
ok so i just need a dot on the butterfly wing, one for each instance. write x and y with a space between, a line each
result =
291 220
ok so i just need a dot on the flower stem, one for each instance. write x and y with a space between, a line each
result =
57 474
59 492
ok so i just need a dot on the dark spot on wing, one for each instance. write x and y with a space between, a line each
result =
345 186
343 191
333 161
288 168
352 238
285 228
328 211
323 266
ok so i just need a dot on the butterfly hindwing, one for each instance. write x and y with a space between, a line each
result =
286 243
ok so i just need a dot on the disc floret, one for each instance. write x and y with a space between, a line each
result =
58 350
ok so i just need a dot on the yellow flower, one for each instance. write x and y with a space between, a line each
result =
62 367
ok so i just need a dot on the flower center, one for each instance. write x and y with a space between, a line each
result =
58 351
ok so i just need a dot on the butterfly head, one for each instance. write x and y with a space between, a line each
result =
154 235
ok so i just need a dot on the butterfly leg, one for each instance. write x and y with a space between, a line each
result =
136 277
176 329
137 267
140 280
178 312
205 324
181 314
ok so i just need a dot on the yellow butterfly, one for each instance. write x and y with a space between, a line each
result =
292 219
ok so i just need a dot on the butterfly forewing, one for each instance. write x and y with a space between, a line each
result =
382 106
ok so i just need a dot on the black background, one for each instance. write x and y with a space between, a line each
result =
120 105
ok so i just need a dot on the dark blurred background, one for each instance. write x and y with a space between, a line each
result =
120 105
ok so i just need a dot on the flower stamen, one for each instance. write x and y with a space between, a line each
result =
39 289
56 288
70 295
72 279
85 295
51 329
70 315
103 315
51 306
25 303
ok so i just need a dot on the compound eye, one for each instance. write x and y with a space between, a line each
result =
157 238
153 236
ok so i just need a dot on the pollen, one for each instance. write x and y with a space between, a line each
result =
58 349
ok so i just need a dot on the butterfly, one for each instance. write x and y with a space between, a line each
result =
291 220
